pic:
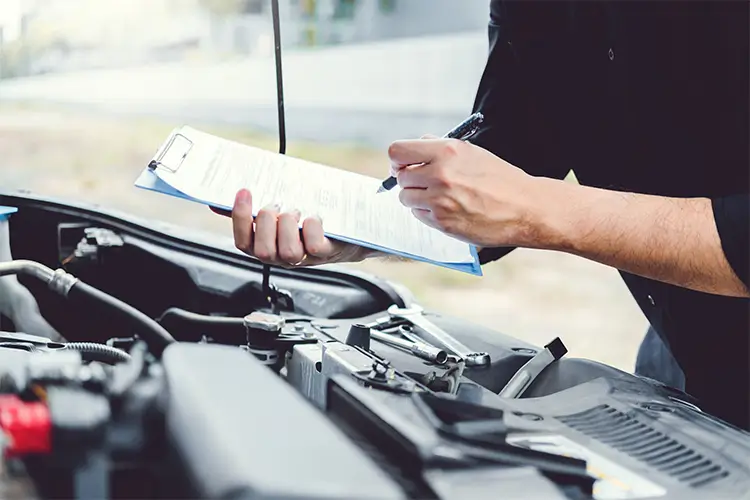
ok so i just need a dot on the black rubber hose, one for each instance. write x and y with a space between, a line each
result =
221 328
155 336
101 351
193 326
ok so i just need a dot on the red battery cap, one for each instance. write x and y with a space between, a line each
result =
26 425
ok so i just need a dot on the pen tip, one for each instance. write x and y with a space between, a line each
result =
380 190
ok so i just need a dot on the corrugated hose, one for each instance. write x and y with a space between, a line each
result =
102 352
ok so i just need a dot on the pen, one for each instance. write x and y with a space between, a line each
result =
462 131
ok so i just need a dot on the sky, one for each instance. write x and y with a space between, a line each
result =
10 13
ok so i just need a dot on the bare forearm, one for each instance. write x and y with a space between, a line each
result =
673 240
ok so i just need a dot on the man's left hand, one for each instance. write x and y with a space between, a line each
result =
469 193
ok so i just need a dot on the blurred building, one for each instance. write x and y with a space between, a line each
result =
309 23
66 35
43 36
325 22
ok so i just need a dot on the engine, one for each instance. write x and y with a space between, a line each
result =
209 392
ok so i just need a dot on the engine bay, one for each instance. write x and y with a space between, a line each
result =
146 361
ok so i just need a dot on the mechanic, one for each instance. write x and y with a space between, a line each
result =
647 102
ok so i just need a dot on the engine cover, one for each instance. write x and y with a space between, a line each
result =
236 425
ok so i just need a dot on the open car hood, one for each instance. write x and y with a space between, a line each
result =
219 413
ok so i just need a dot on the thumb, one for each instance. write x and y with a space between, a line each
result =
396 167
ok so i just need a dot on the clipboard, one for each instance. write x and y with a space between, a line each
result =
171 156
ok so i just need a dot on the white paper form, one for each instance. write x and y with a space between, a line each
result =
214 170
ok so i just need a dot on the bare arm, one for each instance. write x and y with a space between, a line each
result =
674 240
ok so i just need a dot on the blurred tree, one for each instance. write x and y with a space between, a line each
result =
227 7
344 9
308 8
387 6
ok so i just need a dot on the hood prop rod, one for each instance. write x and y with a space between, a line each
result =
271 292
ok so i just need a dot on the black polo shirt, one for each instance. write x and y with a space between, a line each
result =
645 97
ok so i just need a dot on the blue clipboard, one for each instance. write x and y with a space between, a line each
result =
177 147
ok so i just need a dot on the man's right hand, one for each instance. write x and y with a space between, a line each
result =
277 239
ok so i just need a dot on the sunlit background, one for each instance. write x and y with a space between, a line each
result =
90 88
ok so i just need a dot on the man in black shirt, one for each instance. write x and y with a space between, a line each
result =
647 102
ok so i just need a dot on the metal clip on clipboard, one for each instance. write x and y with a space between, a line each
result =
171 157
172 154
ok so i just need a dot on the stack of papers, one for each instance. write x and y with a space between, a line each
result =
207 169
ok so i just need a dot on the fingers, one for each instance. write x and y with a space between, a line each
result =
264 247
414 198
242 221
396 169
402 154
411 152
290 249
417 177
275 238
316 243
426 217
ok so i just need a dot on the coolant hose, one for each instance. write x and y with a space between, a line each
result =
152 332
194 326
220 328
102 352
67 285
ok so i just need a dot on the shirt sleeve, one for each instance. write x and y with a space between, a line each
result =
509 129
732 217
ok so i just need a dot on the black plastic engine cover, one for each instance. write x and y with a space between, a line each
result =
242 432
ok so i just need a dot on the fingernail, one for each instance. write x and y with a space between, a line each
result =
243 197
273 206
297 214
318 218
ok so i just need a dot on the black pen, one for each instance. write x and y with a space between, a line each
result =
462 131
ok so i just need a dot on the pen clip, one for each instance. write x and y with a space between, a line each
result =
469 127
473 130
